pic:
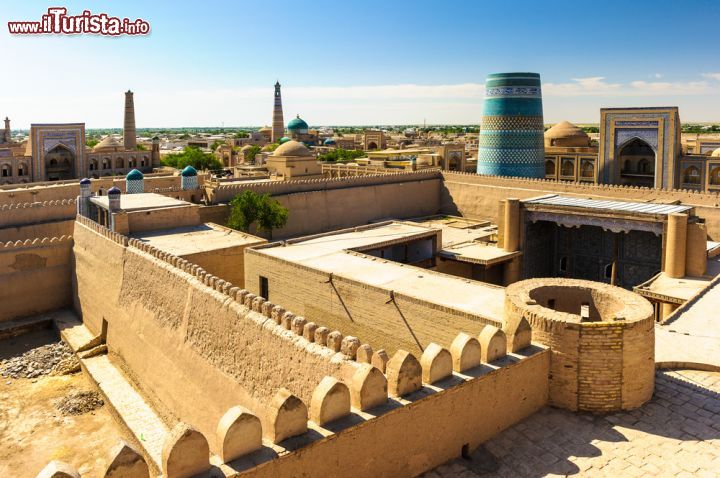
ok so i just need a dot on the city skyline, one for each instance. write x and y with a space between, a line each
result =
428 65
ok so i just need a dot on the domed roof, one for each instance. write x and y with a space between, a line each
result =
265 128
85 181
188 171
292 148
329 141
113 190
109 143
246 147
565 129
284 139
297 123
716 153
134 175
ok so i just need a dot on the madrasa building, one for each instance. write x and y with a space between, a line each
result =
639 147
58 151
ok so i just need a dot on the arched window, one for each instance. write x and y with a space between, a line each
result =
588 169
131 162
22 169
53 162
691 175
119 163
715 176
6 171
549 167
568 168
627 166
106 163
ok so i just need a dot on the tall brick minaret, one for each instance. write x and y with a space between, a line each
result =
6 134
129 133
278 123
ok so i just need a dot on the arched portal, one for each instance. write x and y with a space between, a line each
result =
638 163
372 145
59 163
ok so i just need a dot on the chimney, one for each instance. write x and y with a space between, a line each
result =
129 133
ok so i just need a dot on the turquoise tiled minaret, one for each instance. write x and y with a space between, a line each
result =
511 130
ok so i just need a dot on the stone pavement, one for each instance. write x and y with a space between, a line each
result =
676 434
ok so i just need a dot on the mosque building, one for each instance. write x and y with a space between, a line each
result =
56 152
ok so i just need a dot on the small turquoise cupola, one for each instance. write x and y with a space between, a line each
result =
135 182
188 178
114 198
284 139
297 125
329 142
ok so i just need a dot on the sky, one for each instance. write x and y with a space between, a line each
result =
369 62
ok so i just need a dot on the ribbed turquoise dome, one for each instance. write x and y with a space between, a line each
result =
284 139
329 141
134 175
297 123
188 171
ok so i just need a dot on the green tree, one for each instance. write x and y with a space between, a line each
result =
91 142
140 147
341 155
192 156
252 152
250 207
216 143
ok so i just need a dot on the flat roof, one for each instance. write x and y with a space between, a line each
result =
140 201
331 253
677 290
479 252
183 241
618 206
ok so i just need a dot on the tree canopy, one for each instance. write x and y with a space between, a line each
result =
192 156
251 208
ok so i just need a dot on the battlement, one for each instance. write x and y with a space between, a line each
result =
323 382
627 192
45 241
26 205
226 192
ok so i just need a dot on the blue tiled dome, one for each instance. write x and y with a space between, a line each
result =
284 139
297 123
188 171
113 190
134 174
85 181
329 141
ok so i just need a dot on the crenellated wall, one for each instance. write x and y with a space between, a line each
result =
19 214
477 196
182 335
35 276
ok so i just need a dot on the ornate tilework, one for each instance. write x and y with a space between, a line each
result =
650 136
511 139
134 186
188 182
521 91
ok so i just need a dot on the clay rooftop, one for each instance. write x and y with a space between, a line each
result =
141 201
341 254
184 241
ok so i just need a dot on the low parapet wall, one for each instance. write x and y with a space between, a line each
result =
226 192
18 214
477 196
35 276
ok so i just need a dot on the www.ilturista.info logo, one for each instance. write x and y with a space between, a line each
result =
58 22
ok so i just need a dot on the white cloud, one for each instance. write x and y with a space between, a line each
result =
657 76
594 86
713 76
652 88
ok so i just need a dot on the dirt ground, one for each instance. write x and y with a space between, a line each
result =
33 431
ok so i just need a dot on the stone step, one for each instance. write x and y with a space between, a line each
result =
148 430
74 332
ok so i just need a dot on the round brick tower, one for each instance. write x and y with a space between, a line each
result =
511 139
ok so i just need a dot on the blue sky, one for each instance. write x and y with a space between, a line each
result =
371 62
